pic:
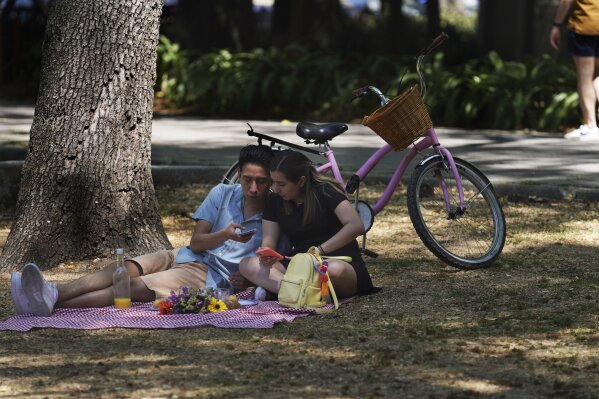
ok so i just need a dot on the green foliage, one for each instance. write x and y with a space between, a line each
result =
297 83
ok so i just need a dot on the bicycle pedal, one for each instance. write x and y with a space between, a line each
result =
370 253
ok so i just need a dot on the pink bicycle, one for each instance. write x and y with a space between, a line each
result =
452 205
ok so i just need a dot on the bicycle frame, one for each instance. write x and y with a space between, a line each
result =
429 139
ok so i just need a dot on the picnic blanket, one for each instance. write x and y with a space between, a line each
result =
144 315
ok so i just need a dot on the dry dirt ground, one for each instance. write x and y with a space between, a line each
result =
524 328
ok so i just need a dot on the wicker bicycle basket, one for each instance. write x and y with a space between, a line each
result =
403 120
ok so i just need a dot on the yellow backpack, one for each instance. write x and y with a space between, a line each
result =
306 283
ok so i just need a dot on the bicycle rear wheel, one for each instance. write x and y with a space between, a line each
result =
469 238
232 175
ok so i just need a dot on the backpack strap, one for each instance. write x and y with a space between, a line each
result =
332 292
343 258
314 252
333 295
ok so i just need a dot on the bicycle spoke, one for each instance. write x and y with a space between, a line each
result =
475 195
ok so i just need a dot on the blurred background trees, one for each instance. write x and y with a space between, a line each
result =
300 59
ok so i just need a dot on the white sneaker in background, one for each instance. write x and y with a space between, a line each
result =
583 133
591 135
41 294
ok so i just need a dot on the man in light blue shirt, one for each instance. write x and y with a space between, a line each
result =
223 208
211 259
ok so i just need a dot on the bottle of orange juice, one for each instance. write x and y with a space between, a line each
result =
121 282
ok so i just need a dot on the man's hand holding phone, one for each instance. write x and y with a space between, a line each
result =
239 233
247 232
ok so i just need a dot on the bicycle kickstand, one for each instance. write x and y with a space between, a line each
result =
364 251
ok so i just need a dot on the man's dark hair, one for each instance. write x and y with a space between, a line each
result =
256 154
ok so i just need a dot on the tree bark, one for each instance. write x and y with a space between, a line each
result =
86 185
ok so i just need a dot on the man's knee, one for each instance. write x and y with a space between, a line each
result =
140 291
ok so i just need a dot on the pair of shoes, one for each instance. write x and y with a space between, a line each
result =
583 133
262 295
19 299
40 294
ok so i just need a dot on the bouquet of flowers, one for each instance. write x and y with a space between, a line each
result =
189 300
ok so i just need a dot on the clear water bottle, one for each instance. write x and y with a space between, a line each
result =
121 282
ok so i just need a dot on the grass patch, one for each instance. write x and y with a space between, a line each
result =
526 327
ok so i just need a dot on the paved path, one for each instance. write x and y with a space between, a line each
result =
525 159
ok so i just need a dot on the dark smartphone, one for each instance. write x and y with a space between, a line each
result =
244 233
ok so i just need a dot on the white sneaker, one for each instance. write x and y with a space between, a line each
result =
41 294
19 299
583 133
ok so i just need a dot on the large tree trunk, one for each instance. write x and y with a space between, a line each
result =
86 186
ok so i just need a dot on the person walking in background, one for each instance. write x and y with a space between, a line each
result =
583 45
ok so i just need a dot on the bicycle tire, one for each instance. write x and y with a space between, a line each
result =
456 239
232 175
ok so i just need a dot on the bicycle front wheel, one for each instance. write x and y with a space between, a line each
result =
468 238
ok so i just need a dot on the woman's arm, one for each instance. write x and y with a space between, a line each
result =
203 239
270 234
352 228
270 239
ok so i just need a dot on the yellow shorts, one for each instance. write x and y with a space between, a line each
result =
161 274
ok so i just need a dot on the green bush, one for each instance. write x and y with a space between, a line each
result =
298 83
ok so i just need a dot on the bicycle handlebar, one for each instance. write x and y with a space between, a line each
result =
366 89
437 41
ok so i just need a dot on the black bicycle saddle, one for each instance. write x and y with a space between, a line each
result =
320 132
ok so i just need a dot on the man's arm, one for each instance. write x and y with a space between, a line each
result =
560 16
203 239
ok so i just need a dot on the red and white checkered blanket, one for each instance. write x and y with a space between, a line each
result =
144 315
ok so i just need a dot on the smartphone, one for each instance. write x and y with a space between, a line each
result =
271 253
244 233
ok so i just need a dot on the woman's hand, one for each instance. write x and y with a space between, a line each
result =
267 260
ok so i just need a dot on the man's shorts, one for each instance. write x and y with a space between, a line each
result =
583 45
161 274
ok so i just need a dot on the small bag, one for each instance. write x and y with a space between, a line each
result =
306 283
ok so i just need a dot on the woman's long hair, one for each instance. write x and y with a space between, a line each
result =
293 165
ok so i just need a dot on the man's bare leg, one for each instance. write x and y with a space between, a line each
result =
93 283
105 297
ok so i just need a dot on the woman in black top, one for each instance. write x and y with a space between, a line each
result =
311 210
